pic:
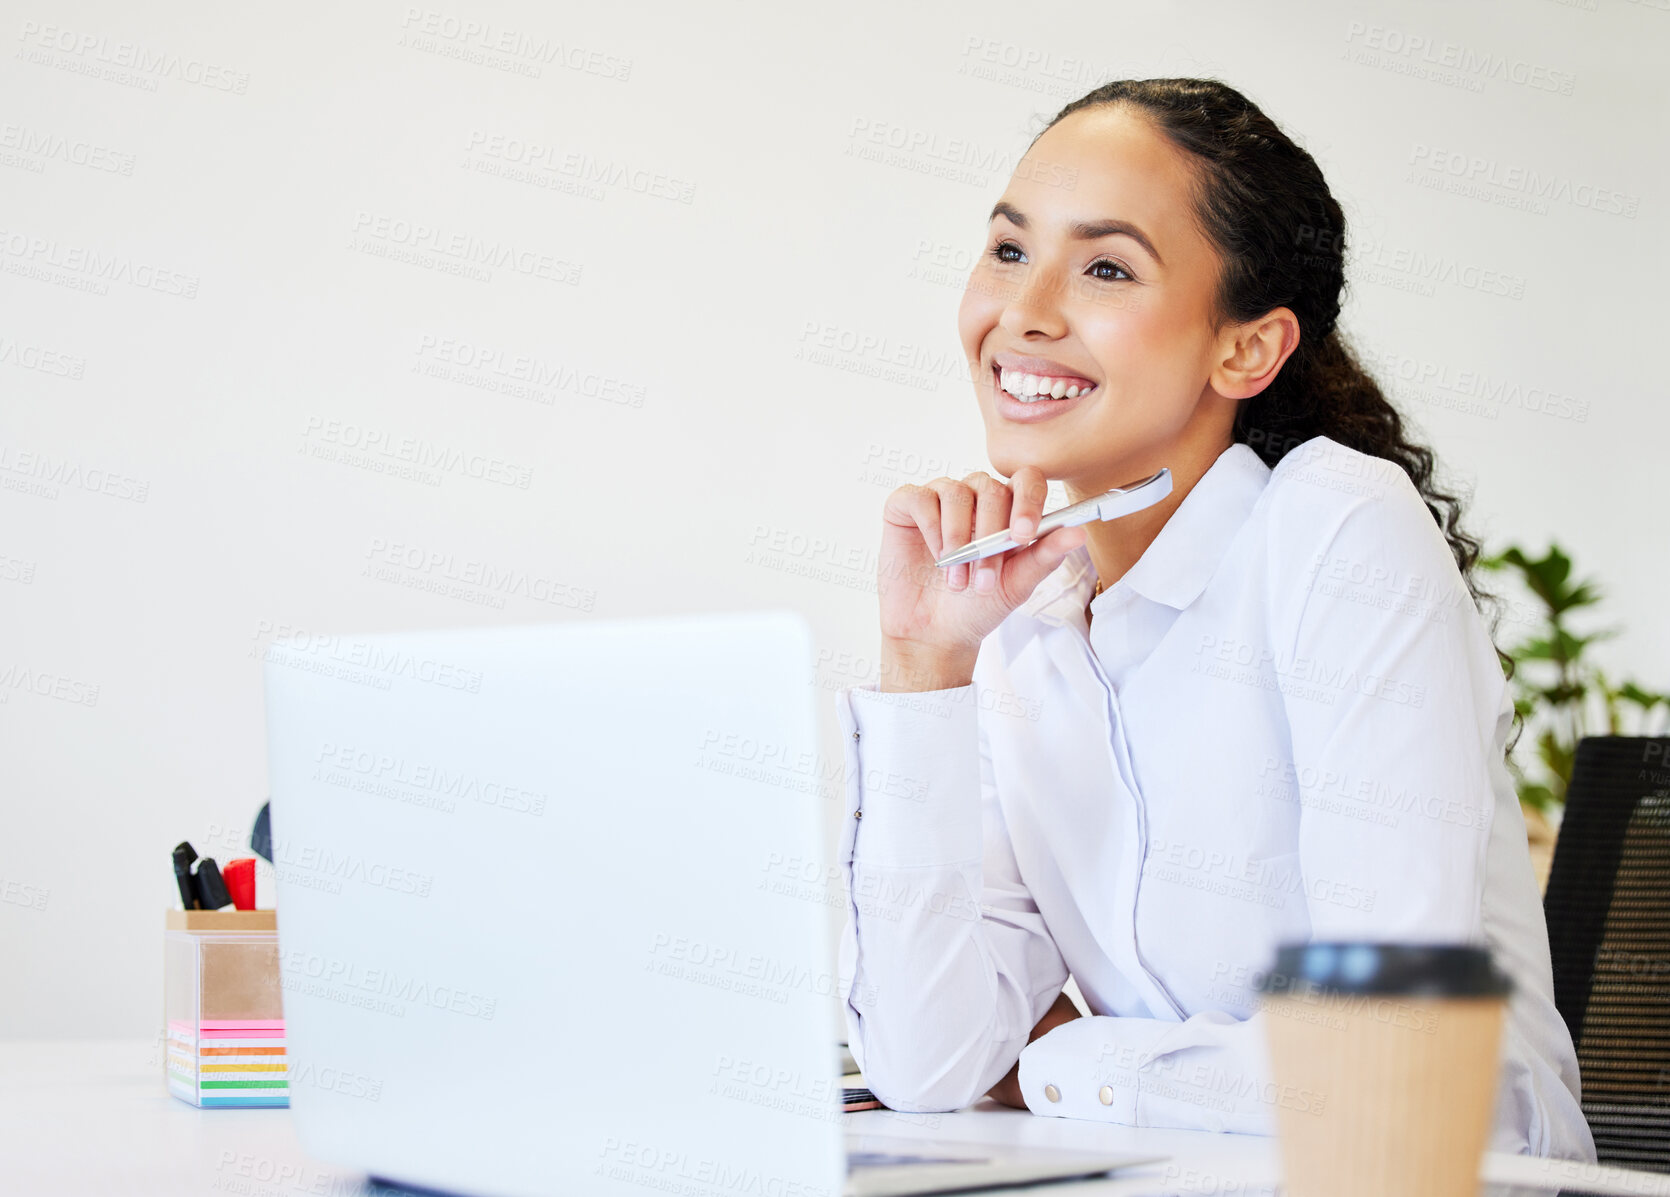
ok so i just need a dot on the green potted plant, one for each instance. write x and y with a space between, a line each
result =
1560 694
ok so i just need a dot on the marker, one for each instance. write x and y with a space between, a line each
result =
239 876
184 854
211 890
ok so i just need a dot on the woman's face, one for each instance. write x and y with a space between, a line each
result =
1096 275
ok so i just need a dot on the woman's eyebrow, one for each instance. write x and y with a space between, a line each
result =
1084 230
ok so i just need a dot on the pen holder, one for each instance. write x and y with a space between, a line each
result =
223 1006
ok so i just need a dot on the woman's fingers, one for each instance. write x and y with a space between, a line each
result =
1024 568
1030 489
956 522
949 514
991 514
915 509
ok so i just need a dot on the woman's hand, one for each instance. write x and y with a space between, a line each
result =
1008 1090
932 619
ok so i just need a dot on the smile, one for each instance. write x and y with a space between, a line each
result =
1036 388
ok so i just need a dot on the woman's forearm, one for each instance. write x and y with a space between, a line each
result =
945 959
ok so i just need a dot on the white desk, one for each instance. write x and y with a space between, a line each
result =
93 1118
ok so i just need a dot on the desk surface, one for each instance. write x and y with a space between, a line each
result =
84 1117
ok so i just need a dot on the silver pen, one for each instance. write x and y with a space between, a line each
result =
1121 500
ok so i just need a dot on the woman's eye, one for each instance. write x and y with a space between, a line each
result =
1003 250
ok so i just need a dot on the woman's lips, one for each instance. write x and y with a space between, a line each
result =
1020 412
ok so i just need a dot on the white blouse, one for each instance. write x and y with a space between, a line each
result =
1285 722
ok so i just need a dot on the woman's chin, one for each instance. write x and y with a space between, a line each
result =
1007 456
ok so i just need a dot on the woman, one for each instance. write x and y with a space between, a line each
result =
1144 752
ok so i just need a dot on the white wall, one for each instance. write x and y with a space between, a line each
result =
263 164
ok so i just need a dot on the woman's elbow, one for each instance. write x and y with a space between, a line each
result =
913 1095
917 1084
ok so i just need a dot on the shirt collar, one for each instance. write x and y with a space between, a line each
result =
1176 566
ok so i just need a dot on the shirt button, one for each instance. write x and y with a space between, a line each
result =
855 735
1106 1094
1051 1092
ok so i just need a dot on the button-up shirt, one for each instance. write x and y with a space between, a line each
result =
1286 722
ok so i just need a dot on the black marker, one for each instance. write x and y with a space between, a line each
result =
211 886
184 854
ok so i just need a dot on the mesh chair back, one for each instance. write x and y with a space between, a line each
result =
1608 910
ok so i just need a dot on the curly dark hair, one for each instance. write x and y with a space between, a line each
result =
1264 204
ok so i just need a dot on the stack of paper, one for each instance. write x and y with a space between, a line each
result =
229 1062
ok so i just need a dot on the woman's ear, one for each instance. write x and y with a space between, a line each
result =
1253 353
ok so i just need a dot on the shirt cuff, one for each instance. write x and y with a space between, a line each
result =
912 776
1084 1069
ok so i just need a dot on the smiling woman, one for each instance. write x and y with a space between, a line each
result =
1243 733
1256 246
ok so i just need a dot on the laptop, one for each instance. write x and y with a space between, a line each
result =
530 937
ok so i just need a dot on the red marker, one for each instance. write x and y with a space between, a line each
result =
240 882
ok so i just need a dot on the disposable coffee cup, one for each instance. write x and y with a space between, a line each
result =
1390 1054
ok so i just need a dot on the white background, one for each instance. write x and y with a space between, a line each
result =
267 159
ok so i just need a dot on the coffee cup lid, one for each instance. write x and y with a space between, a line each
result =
1408 969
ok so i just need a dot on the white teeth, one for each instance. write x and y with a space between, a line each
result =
1032 388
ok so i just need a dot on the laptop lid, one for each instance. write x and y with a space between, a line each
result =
524 939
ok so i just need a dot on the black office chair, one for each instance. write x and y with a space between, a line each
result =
1608 910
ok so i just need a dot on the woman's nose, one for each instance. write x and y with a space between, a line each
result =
1035 307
